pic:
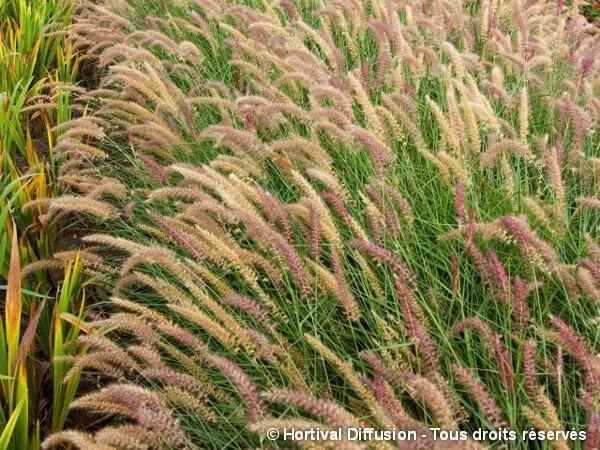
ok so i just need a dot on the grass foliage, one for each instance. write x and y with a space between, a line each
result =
37 69
357 213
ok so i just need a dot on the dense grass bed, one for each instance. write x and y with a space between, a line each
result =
38 69
336 214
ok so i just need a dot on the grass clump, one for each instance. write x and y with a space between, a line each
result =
40 313
335 214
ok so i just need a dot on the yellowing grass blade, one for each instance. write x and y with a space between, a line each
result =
13 301
31 155
76 322
21 432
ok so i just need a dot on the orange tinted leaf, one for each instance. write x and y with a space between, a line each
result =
29 335
13 297
76 322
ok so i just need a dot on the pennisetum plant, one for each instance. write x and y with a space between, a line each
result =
305 203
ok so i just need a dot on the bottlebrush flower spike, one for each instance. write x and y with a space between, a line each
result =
419 387
334 415
406 102
180 236
481 394
592 440
588 202
447 133
169 376
455 274
383 64
560 366
254 405
520 292
506 146
529 373
314 235
345 293
417 332
252 307
289 8
528 241
336 203
365 77
422 388
560 149
381 156
400 203
141 404
71 203
485 270
477 324
499 273
523 114
544 417
587 64
580 121
588 284
387 256
494 345
592 267
77 438
372 360
126 436
375 222
578 349
593 249
260 346
505 369
345 368
161 421
389 217
287 252
385 396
